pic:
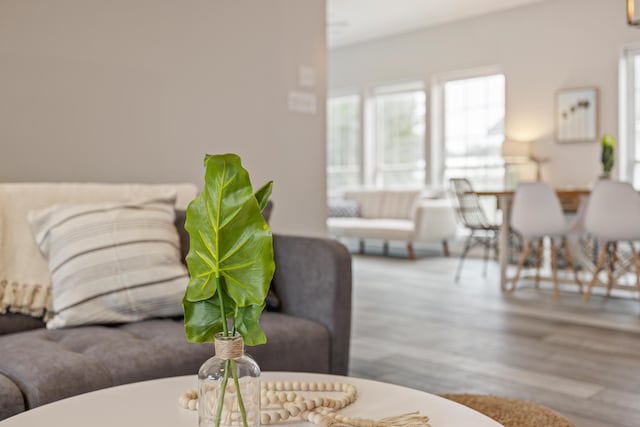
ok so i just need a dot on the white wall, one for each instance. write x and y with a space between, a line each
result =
541 48
140 90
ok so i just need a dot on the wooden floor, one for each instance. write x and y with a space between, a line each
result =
413 326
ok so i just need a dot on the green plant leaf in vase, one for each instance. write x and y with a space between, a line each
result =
248 326
203 319
230 259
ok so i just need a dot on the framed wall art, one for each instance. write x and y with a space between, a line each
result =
577 115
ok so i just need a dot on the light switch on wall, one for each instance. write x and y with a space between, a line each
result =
302 102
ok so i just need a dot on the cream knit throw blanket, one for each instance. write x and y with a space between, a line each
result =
24 274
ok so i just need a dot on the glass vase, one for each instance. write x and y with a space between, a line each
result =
229 386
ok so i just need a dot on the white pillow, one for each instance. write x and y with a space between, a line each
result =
111 262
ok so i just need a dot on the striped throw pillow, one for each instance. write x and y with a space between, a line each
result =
111 262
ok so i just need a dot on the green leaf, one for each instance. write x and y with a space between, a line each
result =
231 248
202 319
247 324
263 194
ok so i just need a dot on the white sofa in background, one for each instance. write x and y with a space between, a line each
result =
395 215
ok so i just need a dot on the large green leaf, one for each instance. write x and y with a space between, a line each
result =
248 326
263 194
231 249
202 319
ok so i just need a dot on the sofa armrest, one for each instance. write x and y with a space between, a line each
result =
435 219
313 281
11 399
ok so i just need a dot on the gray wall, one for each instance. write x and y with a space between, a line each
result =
140 90
541 48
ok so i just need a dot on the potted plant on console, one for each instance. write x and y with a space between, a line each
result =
607 155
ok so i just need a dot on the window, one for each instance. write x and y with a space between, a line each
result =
629 147
399 138
391 153
344 152
473 130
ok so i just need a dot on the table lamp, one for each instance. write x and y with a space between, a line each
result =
520 153
514 152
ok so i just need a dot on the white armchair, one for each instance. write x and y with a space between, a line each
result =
435 220
396 215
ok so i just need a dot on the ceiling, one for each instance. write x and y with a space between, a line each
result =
353 21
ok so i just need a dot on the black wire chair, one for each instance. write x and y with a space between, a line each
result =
482 232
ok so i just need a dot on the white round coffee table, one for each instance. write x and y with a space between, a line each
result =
155 403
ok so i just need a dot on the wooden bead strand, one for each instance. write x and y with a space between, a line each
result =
281 403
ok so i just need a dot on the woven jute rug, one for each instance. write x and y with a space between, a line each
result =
511 412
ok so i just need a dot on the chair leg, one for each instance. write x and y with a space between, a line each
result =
602 256
554 269
613 250
385 248
412 254
523 258
361 246
539 253
636 264
445 248
467 247
486 258
570 261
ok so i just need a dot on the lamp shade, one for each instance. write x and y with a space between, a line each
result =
515 150
633 12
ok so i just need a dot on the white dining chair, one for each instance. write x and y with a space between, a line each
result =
613 216
536 213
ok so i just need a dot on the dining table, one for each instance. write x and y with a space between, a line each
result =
570 200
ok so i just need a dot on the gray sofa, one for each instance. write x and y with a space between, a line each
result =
310 332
